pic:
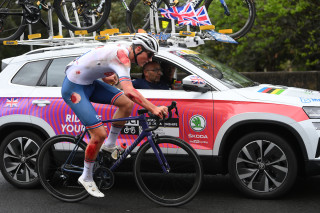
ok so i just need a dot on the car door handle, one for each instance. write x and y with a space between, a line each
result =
41 103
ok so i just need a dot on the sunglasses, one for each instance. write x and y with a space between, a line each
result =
150 54
155 70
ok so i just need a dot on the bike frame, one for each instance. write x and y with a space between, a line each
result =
145 133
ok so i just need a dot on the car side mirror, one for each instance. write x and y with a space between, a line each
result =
194 83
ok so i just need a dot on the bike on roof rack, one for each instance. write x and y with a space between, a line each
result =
238 15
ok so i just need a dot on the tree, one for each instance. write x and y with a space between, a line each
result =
285 37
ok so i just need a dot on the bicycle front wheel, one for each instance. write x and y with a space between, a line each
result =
59 176
139 17
183 179
81 14
12 20
240 20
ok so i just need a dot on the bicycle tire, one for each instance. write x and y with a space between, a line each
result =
140 11
52 156
86 12
183 181
11 26
240 21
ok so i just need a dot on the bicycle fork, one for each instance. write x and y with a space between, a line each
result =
160 156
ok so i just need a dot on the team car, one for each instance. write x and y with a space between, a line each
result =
263 135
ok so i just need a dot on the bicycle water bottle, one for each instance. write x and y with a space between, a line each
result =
116 153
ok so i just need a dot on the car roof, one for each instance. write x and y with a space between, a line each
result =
69 50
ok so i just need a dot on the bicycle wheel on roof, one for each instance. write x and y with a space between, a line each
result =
139 18
240 20
82 14
12 20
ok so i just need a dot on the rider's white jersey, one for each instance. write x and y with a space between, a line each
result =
99 63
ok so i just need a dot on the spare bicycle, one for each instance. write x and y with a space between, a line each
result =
237 15
167 169
15 15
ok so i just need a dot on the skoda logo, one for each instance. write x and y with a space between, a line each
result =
197 123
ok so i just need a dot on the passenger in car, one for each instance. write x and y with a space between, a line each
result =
153 78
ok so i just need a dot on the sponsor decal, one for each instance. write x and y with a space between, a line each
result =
197 123
71 128
11 102
198 141
309 100
197 136
271 90
170 127
131 128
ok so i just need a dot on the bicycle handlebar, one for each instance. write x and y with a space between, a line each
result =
170 108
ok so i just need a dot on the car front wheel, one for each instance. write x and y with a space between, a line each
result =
18 154
262 165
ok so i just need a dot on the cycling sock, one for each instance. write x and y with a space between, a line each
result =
113 135
87 170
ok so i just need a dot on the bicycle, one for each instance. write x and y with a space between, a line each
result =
238 15
15 15
167 170
81 15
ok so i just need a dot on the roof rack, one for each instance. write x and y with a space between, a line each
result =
183 38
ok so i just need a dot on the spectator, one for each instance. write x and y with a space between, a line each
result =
151 78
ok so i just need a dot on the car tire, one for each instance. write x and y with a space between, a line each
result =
18 154
262 165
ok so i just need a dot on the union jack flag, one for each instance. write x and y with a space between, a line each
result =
203 16
11 102
179 13
196 80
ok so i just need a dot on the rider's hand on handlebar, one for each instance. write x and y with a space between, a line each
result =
161 111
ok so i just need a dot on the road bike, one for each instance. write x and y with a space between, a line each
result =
15 15
167 169
237 15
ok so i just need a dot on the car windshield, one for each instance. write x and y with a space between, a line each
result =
228 76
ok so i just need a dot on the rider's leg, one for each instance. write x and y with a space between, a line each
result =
125 106
98 136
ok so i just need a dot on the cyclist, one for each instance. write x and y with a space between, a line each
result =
81 87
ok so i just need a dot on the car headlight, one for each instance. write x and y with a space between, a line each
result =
312 112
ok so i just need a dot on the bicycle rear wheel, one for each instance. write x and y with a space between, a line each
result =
240 20
180 184
60 183
82 14
12 21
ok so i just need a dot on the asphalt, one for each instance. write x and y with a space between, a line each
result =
217 195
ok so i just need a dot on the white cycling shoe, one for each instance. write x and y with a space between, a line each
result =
91 187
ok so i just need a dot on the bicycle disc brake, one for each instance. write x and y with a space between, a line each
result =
33 15
104 178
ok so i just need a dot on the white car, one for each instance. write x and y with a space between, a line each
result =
264 136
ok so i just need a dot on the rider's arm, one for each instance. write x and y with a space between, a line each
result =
135 96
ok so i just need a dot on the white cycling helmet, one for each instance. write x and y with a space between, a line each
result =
147 41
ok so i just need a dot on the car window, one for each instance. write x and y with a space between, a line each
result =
30 73
55 73
225 74
170 73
